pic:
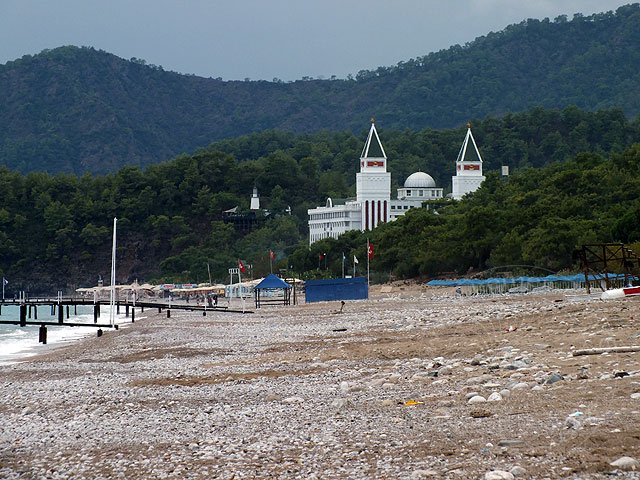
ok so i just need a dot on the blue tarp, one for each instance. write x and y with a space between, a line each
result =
336 289
519 280
272 281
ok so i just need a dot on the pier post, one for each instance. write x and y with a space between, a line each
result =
60 314
133 314
75 309
35 312
96 313
23 315
126 311
168 313
67 312
118 308
29 312
42 334
99 332
159 309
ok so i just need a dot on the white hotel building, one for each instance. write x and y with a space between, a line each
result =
373 204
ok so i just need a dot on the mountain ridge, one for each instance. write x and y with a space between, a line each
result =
78 109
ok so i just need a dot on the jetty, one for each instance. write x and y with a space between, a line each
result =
62 309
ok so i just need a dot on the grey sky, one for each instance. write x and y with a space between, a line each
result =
263 39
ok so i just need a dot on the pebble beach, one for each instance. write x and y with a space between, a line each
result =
414 383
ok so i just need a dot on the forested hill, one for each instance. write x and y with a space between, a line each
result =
81 110
55 230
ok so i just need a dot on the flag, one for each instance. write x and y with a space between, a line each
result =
241 266
355 260
370 251
4 281
272 255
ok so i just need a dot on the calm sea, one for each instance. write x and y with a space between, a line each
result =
17 343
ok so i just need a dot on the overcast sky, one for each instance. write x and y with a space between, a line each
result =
264 39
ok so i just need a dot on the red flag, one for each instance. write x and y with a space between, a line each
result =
321 256
370 251
272 255
241 266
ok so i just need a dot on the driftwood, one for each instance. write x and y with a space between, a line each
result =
598 351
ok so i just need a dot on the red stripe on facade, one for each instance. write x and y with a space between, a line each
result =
373 214
366 215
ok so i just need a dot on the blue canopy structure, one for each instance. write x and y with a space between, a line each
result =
272 281
502 285
268 291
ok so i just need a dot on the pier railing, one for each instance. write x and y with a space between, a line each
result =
60 308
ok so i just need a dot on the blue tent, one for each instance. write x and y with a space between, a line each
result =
272 281
269 287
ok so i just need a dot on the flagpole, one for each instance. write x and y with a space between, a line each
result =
368 264
240 267
343 257
3 282
240 286
112 300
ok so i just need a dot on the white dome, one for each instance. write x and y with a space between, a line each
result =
419 180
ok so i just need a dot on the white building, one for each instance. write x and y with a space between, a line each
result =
372 205
468 175
419 187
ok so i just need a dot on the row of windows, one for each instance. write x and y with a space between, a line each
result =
434 193
328 215
401 207
319 236
321 226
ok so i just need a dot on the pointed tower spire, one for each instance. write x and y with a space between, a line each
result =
469 153
468 175
373 146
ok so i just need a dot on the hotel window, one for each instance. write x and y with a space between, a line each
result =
421 193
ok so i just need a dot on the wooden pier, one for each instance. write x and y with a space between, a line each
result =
61 308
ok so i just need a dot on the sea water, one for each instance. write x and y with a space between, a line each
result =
18 343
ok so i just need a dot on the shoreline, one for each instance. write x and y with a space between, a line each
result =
378 391
57 337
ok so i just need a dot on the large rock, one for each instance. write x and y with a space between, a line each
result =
625 463
477 399
498 475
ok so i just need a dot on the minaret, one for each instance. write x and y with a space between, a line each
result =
468 175
255 200
373 182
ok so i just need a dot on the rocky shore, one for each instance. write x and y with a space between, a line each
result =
414 384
